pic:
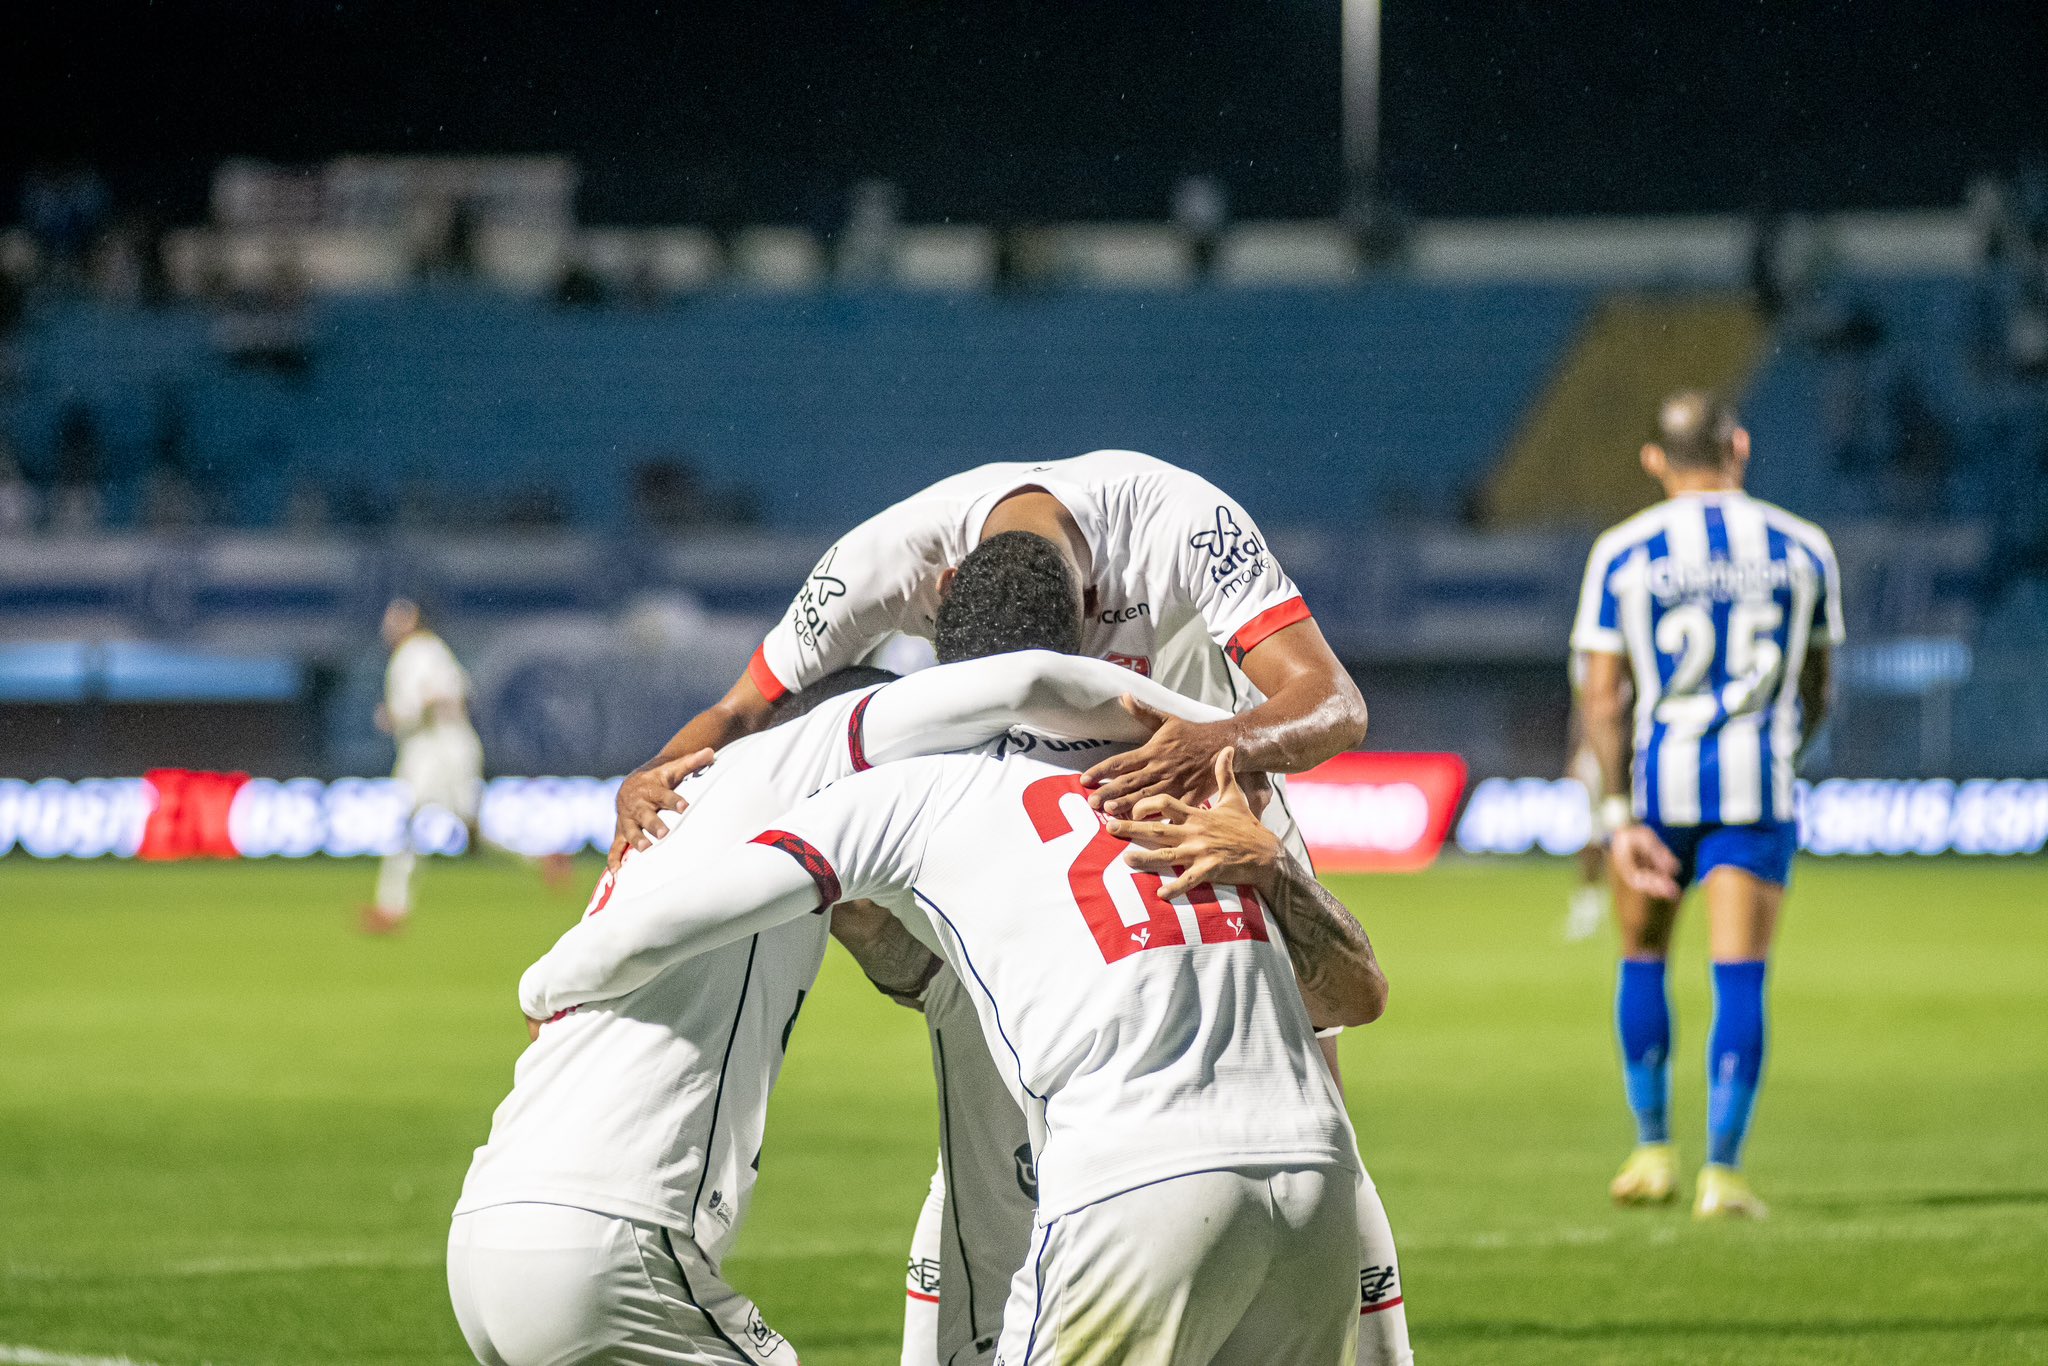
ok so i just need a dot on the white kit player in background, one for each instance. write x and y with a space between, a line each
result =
1195 1164
594 1222
1178 585
440 758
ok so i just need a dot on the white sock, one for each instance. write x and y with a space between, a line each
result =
394 882
1382 1319
1589 910
921 1280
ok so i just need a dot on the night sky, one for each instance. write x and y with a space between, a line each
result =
1086 109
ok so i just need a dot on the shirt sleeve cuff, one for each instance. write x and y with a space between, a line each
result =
1599 641
764 677
810 859
1253 633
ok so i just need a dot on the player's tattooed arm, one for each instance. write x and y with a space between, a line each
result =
899 966
1333 959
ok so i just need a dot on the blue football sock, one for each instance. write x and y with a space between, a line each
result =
1643 1015
1735 1058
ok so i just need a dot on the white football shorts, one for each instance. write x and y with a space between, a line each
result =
550 1285
1240 1268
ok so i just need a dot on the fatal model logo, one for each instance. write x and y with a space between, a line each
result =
1236 557
808 613
1378 1285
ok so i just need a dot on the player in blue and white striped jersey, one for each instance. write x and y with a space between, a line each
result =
1719 610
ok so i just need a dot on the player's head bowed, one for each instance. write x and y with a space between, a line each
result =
1014 591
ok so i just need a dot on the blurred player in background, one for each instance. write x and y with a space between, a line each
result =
1724 609
440 759
1590 897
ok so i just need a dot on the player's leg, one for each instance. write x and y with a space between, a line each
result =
1745 872
921 1280
1589 896
1642 1018
991 1181
1157 1276
1302 1312
1382 1310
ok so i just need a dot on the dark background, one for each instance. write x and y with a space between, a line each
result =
1007 110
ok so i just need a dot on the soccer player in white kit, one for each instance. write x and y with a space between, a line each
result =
593 1223
440 758
1195 1164
1181 587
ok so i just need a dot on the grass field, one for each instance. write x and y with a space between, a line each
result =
231 1129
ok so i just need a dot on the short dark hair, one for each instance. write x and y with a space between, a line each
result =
1696 428
1014 591
850 679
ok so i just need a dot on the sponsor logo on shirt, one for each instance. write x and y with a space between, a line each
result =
1023 742
1722 580
1236 557
1116 616
1137 664
808 612
1027 1171
720 1210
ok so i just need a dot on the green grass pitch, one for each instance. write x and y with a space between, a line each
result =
231 1129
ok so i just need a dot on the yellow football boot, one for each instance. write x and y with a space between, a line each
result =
1724 1193
1649 1177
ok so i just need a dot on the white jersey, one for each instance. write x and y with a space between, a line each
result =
1179 571
1716 600
1143 1038
653 1105
425 689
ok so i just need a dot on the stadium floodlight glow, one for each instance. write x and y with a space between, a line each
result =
1361 101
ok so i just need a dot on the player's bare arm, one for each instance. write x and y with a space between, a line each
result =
1638 856
1313 710
1340 977
1816 690
899 966
649 789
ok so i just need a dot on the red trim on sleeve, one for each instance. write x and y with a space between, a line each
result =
1375 1308
764 677
856 745
814 863
1254 632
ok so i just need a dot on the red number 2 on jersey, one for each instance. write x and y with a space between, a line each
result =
1162 925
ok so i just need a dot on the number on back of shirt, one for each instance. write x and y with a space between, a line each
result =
1220 917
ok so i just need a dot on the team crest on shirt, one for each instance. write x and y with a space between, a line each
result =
1137 664
1236 557
807 614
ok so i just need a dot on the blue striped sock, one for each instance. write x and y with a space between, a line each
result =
1735 1058
1642 1014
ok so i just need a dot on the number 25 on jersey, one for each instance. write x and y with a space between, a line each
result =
1221 916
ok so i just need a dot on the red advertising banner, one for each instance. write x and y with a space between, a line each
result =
189 817
1377 813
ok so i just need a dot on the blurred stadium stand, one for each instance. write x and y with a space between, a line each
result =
608 454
